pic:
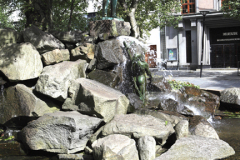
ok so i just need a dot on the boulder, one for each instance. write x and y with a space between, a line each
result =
55 80
202 100
85 52
230 95
159 84
172 117
201 127
79 156
146 148
43 41
59 132
115 147
182 129
20 101
8 36
55 56
69 36
106 29
138 126
108 78
94 98
197 147
20 62
92 64
135 102
109 53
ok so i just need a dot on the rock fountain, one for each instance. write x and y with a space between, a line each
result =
88 108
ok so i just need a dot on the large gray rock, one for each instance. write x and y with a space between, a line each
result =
197 147
43 41
80 156
201 127
95 98
108 78
169 117
146 148
55 56
115 147
138 126
109 53
69 36
55 80
105 29
20 101
182 129
85 52
231 95
20 62
60 132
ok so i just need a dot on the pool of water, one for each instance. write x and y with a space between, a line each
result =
229 131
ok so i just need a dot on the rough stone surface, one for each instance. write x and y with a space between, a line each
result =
207 101
55 56
20 62
231 95
138 126
55 80
201 127
85 52
95 98
197 147
105 29
21 101
69 36
170 117
182 129
159 84
92 64
43 41
75 157
108 78
109 53
135 102
146 148
60 132
115 147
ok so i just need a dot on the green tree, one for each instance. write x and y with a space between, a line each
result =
49 14
231 8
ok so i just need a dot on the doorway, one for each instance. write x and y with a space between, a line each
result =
224 55
189 46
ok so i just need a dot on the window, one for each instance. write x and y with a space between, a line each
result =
188 6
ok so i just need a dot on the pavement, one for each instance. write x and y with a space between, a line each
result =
212 79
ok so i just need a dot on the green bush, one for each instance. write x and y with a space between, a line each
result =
176 85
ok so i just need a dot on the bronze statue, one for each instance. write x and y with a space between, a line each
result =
114 7
140 70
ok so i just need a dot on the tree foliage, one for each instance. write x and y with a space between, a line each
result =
231 8
49 14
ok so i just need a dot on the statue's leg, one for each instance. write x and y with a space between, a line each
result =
114 8
105 7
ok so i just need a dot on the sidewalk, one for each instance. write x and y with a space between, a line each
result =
212 79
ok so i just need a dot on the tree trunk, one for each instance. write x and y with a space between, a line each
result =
134 27
70 17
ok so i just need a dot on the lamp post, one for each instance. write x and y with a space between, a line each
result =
204 13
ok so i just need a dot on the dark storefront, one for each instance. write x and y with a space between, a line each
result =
225 47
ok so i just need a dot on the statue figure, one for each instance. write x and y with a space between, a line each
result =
113 9
140 70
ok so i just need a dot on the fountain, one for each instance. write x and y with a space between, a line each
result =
87 110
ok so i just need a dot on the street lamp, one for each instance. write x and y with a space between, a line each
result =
204 13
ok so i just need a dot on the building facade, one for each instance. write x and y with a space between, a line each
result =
182 46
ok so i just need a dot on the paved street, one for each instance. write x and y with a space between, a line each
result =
211 79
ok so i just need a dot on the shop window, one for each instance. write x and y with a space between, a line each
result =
188 6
